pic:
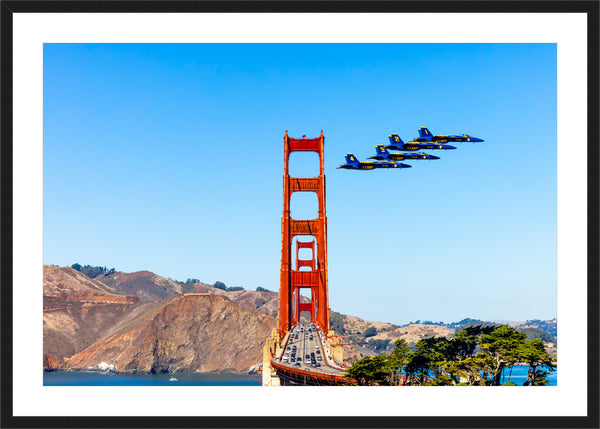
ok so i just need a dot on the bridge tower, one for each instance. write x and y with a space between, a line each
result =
292 279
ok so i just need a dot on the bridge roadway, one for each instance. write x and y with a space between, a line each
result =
307 343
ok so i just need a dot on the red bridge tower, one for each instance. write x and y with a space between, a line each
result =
292 278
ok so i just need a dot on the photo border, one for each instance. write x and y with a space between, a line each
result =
8 8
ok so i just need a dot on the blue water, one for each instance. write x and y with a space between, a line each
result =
87 378
519 375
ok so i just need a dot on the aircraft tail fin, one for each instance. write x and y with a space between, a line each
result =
395 139
382 151
351 159
424 133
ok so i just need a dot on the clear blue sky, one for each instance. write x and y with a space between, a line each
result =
169 158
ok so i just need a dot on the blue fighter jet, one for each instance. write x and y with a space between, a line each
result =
396 143
426 136
354 164
383 154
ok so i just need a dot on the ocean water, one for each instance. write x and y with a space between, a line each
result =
519 375
89 378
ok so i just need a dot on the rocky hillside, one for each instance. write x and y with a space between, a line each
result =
187 332
78 311
145 285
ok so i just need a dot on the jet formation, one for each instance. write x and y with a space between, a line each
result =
426 141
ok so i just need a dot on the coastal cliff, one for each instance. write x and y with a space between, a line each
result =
186 332
78 311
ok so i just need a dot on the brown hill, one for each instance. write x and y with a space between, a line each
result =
262 302
188 332
64 283
77 312
204 288
353 330
148 286
145 285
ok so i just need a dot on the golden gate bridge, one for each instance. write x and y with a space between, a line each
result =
298 353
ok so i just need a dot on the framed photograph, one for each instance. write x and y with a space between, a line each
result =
143 150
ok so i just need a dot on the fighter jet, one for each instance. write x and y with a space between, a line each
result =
396 143
383 154
354 164
426 136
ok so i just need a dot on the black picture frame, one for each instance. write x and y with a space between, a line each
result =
7 11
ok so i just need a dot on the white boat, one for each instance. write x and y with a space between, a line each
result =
173 379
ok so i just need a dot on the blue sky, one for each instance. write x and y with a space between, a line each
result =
169 158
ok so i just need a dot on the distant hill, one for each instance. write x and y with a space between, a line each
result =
372 338
87 320
145 285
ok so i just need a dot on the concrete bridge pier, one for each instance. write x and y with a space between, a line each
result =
272 348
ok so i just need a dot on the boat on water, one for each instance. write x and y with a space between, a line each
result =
173 379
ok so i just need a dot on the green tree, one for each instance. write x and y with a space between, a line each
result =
430 354
534 354
441 380
471 368
92 271
466 340
397 360
370 371
220 285
503 344
76 266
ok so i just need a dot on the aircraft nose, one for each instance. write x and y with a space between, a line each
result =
475 139
433 157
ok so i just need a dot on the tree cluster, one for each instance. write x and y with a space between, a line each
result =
441 361
92 271
222 286
371 331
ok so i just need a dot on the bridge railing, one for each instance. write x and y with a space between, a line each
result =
300 372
